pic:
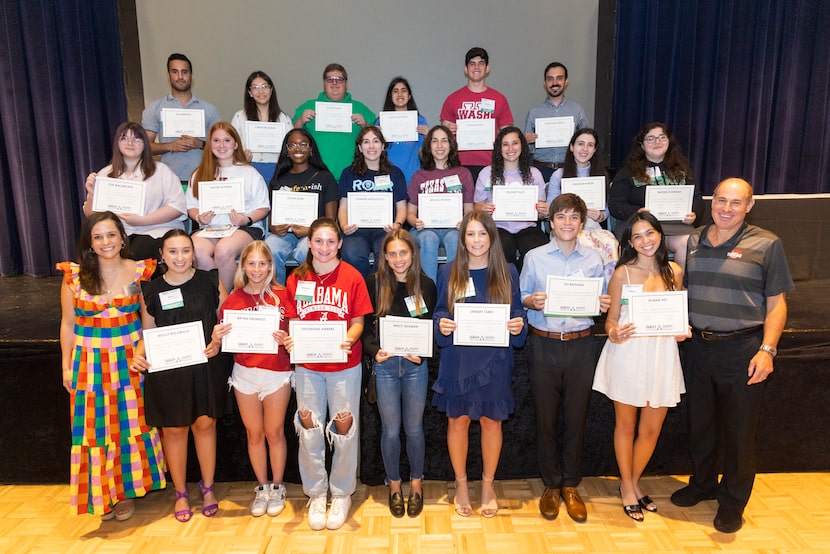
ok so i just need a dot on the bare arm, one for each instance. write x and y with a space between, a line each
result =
67 334
760 366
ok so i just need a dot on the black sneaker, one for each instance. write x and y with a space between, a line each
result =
690 495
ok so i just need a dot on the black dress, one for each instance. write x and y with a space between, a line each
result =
176 397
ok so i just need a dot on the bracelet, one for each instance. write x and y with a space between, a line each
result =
250 221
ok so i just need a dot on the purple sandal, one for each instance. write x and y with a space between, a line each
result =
183 516
209 510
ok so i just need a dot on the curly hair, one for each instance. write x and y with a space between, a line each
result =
497 171
425 154
675 164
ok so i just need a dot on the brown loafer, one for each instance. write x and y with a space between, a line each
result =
574 504
549 503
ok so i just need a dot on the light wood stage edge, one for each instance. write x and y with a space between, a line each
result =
788 512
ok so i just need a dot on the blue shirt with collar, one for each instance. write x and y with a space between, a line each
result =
549 109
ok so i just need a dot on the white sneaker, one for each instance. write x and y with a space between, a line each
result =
340 506
317 512
260 502
276 500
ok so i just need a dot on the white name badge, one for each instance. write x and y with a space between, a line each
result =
412 308
383 182
628 290
305 291
487 105
471 289
171 299
453 183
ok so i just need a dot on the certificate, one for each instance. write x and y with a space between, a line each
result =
399 126
370 209
481 324
333 117
264 136
118 195
569 297
590 189
440 211
554 132
475 134
659 313
220 197
176 122
294 208
669 202
317 341
515 203
400 336
251 331
175 346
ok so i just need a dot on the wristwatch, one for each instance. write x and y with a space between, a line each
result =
771 350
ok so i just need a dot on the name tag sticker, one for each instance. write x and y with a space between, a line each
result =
383 182
305 291
171 299
453 183
487 105
410 305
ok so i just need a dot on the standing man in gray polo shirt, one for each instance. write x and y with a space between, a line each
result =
738 279
183 154
555 105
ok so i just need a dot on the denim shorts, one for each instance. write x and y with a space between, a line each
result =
262 382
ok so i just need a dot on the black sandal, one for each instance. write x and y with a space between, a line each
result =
634 511
647 503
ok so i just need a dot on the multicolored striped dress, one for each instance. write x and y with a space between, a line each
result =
115 455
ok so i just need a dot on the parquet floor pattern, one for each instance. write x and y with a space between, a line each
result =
787 513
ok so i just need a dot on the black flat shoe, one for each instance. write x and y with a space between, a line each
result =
414 504
634 511
647 503
396 505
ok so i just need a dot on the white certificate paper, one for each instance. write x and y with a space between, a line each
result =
120 196
400 336
590 189
264 136
554 131
317 341
176 122
221 197
669 202
515 203
333 117
294 208
370 209
251 331
440 211
399 126
475 134
175 346
659 313
571 297
481 324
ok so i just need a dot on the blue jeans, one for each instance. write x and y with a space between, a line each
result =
428 241
402 395
286 247
356 248
339 391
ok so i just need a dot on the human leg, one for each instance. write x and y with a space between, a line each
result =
450 242
624 426
204 439
428 242
343 390
174 443
281 249
225 254
458 444
528 239
508 244
355 250
491 443
648 431
203 249
275 406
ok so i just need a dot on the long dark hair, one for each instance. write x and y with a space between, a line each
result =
251 110
386 281
676 165
284 163
147 164
90 271
597 161
359 163
388 105
172 233
307 266
498 274
497 172
629 256
425 154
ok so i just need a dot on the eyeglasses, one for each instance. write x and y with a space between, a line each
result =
297 146
125 138
262 86
659 138
335 80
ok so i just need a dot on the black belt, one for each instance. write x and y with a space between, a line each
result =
561 336
725 335
551 165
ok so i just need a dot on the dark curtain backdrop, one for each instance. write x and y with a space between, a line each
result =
745 85
62 97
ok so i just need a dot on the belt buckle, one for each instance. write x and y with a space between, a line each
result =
707 335
562 336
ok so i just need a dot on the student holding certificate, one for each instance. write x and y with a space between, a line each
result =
371 172
260 104
191 398
222 160
324 289
100 327
583 158
261 382
474 381
655 159
639 373
441 173
400 288
403 154
164 205
512 167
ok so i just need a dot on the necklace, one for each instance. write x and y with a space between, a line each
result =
104 280
325 277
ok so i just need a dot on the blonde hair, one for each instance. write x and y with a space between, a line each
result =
240 279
